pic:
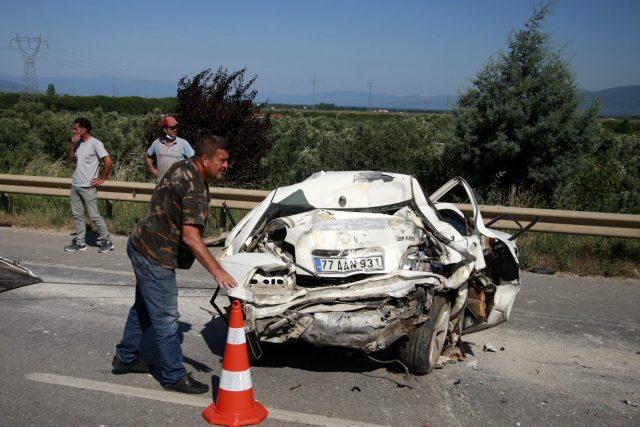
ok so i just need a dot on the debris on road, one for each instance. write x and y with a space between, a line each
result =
458 381
13 275
473 364
542 270
489 347
627 402
444 359
295 387
356 388
583 366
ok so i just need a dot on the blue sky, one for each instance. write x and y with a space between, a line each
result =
402 47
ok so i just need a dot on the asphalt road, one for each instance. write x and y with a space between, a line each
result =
571 356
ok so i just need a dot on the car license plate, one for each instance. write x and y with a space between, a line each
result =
349 265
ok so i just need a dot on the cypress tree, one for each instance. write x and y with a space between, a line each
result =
519 125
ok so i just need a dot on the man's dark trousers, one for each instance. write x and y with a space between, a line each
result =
156 306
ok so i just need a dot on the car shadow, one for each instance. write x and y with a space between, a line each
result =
301 355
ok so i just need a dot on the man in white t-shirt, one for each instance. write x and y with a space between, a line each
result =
87 152
167 149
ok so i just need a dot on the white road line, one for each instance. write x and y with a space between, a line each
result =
184 399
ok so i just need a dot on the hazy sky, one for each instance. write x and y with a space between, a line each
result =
402 47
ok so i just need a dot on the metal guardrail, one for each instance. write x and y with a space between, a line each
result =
551 220
122 190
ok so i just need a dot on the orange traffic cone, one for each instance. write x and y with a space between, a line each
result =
235 406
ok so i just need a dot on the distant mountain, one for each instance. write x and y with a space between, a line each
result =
103 86
621 101
361 99
9 86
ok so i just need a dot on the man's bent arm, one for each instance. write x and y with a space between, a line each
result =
191 237
149 161
106 169
71 152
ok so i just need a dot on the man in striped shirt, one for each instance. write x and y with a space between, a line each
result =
167 149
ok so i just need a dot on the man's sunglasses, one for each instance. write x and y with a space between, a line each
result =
173 127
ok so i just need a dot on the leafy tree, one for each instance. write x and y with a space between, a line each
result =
326 106
304 145
51 90
609 181
520 122
221 103
624 127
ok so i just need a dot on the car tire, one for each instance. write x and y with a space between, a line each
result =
422 348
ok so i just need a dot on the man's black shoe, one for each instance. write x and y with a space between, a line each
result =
138 366
188 384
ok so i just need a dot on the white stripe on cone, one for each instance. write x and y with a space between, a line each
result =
235 381
236 336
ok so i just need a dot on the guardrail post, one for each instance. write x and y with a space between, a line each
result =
222 222
109 209
4 202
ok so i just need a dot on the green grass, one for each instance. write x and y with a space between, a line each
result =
582 255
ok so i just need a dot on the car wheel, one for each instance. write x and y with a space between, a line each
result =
422 348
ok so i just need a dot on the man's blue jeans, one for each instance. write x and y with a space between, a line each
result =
156 306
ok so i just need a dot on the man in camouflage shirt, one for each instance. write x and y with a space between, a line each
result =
170 237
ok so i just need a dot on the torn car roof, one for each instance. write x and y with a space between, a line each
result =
347 190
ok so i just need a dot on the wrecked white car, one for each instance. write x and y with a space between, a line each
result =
364 260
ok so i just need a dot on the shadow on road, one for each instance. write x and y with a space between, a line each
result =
301 355
149 352
91 236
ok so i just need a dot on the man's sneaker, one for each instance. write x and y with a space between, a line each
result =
75 246
188 384
138 366
105 246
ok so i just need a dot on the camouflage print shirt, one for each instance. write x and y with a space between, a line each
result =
181 197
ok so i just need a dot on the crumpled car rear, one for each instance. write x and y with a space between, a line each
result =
357 259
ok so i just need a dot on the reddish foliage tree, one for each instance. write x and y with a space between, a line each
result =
221 103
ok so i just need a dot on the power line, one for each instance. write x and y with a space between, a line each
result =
70 65
81 61
82 65
65 59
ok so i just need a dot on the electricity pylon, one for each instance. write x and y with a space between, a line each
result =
29 48
314 82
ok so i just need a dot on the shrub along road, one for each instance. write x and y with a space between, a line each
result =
571 356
